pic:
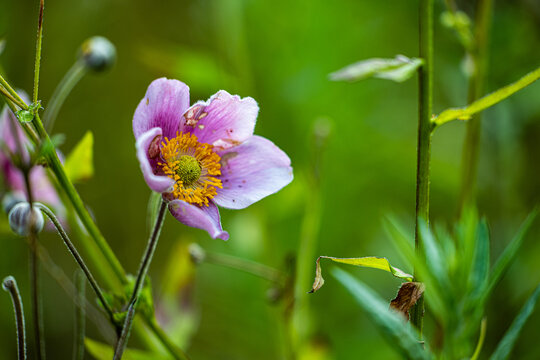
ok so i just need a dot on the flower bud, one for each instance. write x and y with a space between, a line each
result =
23 219
98 53
10 200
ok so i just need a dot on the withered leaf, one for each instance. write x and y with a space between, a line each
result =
407 296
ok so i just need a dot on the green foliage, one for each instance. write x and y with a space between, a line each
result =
507 343
399 69
487 101
461 23
79 164
455 268
389 322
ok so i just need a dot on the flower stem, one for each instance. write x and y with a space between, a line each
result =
17 99
10 285
248 266
80 316
73 251
37 62
141 276
479 55
66 85
425 100
36 298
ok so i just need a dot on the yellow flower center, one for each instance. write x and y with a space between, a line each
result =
193 166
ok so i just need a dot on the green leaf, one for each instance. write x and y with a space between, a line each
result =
461 23
507 343
369 262
480 269
508 255
399 69
24 116
102 351
390 323
487 101
79 164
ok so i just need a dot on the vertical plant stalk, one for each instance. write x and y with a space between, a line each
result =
425 101
139 284
73 251
37 61
10 285
80 316
479 55
66 85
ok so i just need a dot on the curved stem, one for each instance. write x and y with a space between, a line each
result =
18 101
248 266
141 276
10 285
66 85
78 259
425 89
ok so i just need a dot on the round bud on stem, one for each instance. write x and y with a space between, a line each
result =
98 53
10 200
23 219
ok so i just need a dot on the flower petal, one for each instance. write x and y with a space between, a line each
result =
251 171
157 183
162 106
200 217
223 121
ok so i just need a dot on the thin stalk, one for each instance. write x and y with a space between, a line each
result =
425 100
58 170
479 55
37 62
248 266
19 102
80 317
66 85
164 339
10 285
36 299
139 282
73 251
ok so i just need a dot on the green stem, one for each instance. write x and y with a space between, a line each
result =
10 285
80 316
66 85
248 266
37 62
471 146
58 170
36 298
425 100
164 339
18 101
73 251
139 282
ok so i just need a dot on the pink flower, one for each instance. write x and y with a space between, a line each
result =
205 155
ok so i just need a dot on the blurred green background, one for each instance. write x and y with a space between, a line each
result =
280 53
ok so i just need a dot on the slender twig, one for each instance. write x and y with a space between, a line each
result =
10 285
19 102
248 266
37 62
73 251
425 90
66 85
141 276
80 316
479 55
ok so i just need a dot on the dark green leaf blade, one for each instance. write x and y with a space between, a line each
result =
507 343
388 321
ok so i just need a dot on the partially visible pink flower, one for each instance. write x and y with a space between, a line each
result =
205 155
13 179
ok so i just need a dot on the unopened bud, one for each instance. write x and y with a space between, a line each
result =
23 220
196 253
98 53
10 200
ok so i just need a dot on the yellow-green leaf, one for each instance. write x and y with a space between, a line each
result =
79 164
368 261
487 101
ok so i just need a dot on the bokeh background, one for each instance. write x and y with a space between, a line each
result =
353 148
